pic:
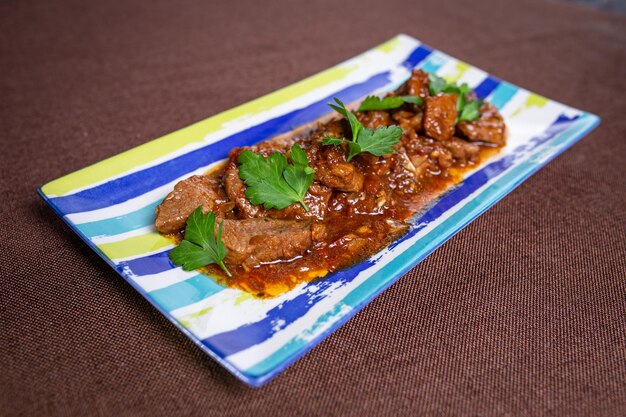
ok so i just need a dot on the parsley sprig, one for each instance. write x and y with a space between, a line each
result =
377 142
272 181
201 246
468 110
392 102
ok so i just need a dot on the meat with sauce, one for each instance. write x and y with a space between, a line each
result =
250 242
355 208
489 127
198 190
332 169
440 116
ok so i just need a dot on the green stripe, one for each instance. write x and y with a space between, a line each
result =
134 246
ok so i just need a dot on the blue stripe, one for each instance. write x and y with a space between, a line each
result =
120 224
486 86
124 188
418 55
186 292
502 94
147 265
231 342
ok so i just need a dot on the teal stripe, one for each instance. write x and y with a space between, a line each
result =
502 94
120 224
435 61
283 356
190 291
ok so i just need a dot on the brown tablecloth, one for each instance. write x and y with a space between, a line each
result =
521 313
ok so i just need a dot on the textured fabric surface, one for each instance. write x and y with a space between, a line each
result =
521 313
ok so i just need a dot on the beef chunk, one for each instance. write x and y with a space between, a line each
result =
172 213
235 188
331 168
417 85
440 116
373 119
252 241
427 155
489 127
342 176
411 123
462 150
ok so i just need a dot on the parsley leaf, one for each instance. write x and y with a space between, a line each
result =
200 246
332 140
355 125
380 141
436 84
377 142
470 111
412 99
272 181
377 103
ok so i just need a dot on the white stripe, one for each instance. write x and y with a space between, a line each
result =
122 236
161 280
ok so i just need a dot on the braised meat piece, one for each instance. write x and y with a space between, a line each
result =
440 116
428 155
373 119
417 85
489 127
250 242
198 190
235 188
463 151
331 168
411 123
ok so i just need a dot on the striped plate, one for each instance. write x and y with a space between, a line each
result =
111 206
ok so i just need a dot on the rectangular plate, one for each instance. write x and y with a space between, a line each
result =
111 206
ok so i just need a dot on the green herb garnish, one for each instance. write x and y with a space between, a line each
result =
272 181
377 142
436 84
377 103
468 110
200 247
